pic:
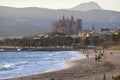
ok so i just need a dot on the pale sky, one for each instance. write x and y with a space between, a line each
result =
60 4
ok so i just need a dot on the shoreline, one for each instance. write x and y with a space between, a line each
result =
85 69
66 64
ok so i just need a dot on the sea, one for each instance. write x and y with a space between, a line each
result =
25 63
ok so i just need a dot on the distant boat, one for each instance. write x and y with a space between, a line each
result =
19 49
1 49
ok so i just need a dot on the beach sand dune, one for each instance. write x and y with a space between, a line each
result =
86 69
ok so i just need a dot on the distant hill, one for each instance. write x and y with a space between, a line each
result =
86 6
34 21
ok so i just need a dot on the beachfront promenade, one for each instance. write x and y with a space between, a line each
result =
86 69
32 48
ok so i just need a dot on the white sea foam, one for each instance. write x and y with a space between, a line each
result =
10 66
24 63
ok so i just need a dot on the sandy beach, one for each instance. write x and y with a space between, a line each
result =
86 69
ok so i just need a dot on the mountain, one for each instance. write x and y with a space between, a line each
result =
87 6
34 21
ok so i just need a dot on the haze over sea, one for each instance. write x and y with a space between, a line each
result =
17 64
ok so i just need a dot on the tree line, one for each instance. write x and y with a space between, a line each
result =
113 39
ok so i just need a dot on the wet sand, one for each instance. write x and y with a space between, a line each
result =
86 69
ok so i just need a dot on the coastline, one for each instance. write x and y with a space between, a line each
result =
59 64
85 69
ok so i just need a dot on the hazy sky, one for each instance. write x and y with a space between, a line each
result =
58 4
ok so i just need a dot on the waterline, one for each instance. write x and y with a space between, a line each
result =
18 64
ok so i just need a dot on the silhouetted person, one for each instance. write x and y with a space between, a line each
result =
96 58
95 51
111 53
52 79
99 57
87 56
102 54
119 77
104 78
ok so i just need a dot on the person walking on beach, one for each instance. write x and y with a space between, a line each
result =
99 57
87 56
111 53
104 78
96 58
95 50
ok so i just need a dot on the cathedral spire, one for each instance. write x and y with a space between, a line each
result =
72 18
63 17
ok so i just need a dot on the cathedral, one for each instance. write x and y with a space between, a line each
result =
67 26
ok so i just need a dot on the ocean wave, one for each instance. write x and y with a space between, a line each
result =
35 62
11 66
50 55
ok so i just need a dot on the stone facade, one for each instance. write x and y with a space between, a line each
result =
68 26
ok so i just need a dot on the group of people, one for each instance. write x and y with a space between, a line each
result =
98 57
